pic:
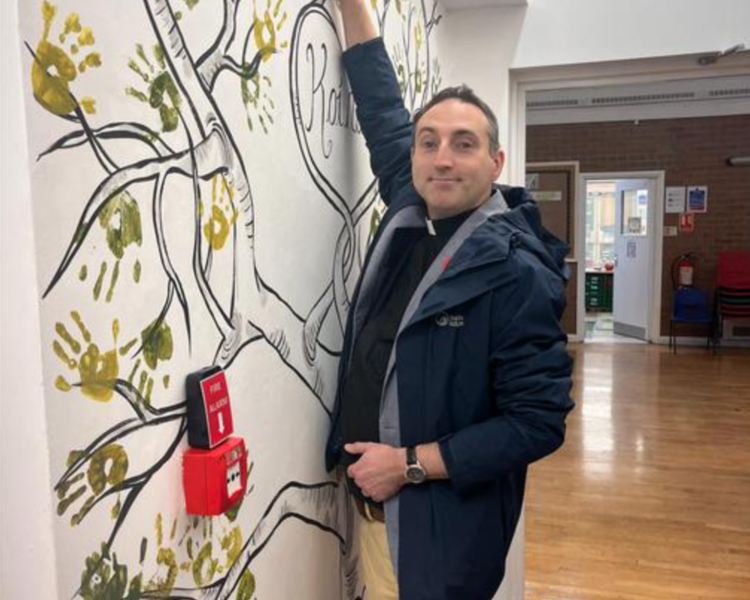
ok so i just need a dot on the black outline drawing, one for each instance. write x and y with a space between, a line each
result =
256 312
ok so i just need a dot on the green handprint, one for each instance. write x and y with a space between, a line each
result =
107 467
106 579
121 221
157 346
161 91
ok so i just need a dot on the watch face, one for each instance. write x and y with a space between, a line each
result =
415 474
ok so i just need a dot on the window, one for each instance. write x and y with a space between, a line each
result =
600 223
634 212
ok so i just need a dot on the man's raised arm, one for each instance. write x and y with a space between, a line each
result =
385 122
358 25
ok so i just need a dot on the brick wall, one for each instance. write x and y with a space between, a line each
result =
691 152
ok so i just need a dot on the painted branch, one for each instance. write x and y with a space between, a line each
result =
210 63
112 131
258 308
209 160
343 263
324 505
110 436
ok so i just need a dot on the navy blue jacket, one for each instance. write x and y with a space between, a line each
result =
479 364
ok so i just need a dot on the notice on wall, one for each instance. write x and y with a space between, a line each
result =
674 199
687 223
548 196
697 199
532 181
632 249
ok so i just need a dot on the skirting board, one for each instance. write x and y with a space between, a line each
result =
701 341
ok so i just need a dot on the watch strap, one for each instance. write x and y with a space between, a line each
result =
411 455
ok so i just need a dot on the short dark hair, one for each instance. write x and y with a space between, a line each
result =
463 93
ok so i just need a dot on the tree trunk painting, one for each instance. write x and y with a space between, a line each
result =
201 196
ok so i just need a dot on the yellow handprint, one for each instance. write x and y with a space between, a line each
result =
223 214
98 370
266 27
266 33
53 68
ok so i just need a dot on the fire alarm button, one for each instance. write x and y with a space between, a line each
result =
214 480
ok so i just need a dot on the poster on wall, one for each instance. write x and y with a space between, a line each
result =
160 131
697 199
675 199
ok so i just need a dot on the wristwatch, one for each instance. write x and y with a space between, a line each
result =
415 472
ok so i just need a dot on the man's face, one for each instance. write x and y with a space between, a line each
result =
452 167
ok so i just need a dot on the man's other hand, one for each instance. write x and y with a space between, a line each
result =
380 471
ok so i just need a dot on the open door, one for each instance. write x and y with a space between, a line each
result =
553 186
633 257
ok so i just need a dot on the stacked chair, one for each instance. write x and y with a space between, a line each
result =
732 295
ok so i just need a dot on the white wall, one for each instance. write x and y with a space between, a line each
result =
478 49
559 32
27 564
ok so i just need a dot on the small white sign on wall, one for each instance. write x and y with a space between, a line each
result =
532 181
675 199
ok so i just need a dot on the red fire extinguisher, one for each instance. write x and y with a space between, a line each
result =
683 269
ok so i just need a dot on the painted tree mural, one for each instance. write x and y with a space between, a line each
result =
154 184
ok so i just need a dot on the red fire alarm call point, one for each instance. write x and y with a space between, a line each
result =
214 480
214 469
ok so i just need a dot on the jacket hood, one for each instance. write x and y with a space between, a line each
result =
524 213
493 239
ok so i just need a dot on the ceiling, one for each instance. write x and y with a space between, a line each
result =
700 97
454 5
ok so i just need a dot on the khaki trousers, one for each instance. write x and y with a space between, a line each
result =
375 561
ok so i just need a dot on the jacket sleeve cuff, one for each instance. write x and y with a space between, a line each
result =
451 464
371 74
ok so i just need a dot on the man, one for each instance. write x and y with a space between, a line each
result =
454 375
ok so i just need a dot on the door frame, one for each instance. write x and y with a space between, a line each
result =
655 228
573 259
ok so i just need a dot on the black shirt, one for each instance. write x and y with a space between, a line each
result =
411 253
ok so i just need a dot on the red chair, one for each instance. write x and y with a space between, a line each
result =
734 269
732 297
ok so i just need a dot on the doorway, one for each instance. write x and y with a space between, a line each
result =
620 299
566 96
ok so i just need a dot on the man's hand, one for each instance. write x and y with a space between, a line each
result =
380 471
358 25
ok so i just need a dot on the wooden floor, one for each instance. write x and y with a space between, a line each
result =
649 499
